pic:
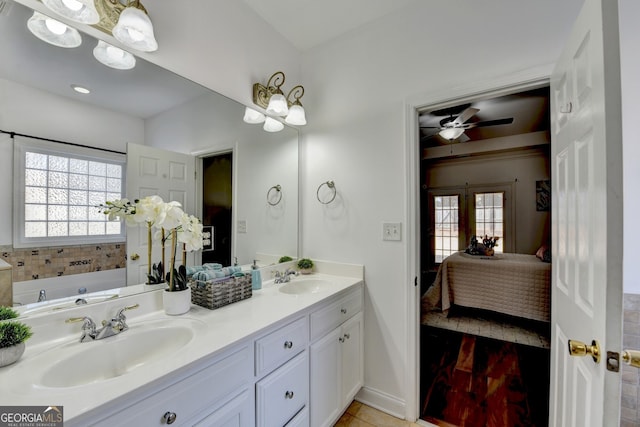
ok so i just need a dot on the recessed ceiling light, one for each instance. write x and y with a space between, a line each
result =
80 89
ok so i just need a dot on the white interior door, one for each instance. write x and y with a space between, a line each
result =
587 219
152 171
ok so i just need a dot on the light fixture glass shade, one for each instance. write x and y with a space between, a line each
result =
83 11
277 105
134 29
296 116
451 133
272 125
252 116
53 32
113 57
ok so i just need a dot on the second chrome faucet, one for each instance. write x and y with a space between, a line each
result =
115 326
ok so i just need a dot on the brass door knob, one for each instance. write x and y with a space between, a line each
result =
631 357
135 257
578 348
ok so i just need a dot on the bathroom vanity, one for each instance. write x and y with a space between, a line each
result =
292 355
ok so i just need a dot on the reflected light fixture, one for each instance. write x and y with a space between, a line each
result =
82 11
296 114
134 28
53 32
272 125
272 99
451 133
252 116
113 57
81 89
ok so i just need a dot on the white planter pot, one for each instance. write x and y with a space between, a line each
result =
9 355
176 303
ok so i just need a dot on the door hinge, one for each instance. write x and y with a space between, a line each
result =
415 281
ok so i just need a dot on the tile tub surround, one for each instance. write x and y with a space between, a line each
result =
55 261
630 399
227 326
6 284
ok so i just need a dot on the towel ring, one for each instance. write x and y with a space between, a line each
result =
278 189
331 185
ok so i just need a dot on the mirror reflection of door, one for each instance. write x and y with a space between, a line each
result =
216 206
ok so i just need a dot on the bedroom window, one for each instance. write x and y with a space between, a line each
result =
489 216
57 193
446 230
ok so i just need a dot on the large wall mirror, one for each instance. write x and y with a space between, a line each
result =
151 107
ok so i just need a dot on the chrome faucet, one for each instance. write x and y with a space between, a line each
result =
115 326
42 296
285 276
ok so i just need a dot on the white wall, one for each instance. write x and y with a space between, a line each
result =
38 113
629 35
355 91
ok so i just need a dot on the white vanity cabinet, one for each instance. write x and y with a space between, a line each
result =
336 358
218 393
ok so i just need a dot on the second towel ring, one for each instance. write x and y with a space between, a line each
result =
332 186
278 189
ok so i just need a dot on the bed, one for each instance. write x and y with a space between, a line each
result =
513 284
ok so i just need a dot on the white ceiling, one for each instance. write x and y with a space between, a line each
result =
309 23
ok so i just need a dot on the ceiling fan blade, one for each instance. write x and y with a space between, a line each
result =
464 116
489 123
463 138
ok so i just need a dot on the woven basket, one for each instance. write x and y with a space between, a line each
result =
217 293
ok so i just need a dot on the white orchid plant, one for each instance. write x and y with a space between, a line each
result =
169 220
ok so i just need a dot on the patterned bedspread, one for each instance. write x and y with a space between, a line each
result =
513 284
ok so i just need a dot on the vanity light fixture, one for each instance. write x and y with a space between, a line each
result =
82 11
134 28
451 133
113 57
53 32
272 125
252 116
272 99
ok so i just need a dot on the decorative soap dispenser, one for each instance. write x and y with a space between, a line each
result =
256 277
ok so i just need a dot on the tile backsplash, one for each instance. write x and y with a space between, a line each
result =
40 263
630 399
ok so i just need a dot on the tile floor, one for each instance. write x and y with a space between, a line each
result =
496 327
360 415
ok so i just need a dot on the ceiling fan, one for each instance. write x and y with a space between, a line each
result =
452 128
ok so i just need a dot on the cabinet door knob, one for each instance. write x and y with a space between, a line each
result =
347 336
288 395
288 344
343 310
341 339
170 417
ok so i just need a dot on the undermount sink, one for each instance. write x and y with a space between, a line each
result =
115 356
64 303
305 286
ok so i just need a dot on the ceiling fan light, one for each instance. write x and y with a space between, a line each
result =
451 133
277 105
252 116
82 11
272 125
134 29
113 57
53 32
296 116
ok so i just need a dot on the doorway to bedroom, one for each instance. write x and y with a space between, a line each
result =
485 214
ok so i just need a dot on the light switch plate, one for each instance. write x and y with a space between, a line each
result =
242 226
392 231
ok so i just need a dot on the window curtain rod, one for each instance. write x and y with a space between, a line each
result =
14 134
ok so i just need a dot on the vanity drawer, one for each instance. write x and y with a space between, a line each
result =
281 345
328 318
281 394
301 419
204 390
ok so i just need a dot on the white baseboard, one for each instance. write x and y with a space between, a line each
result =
382 401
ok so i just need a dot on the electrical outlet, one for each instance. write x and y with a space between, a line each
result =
242 226
391 231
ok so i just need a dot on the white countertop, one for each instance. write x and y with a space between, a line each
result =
220 329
